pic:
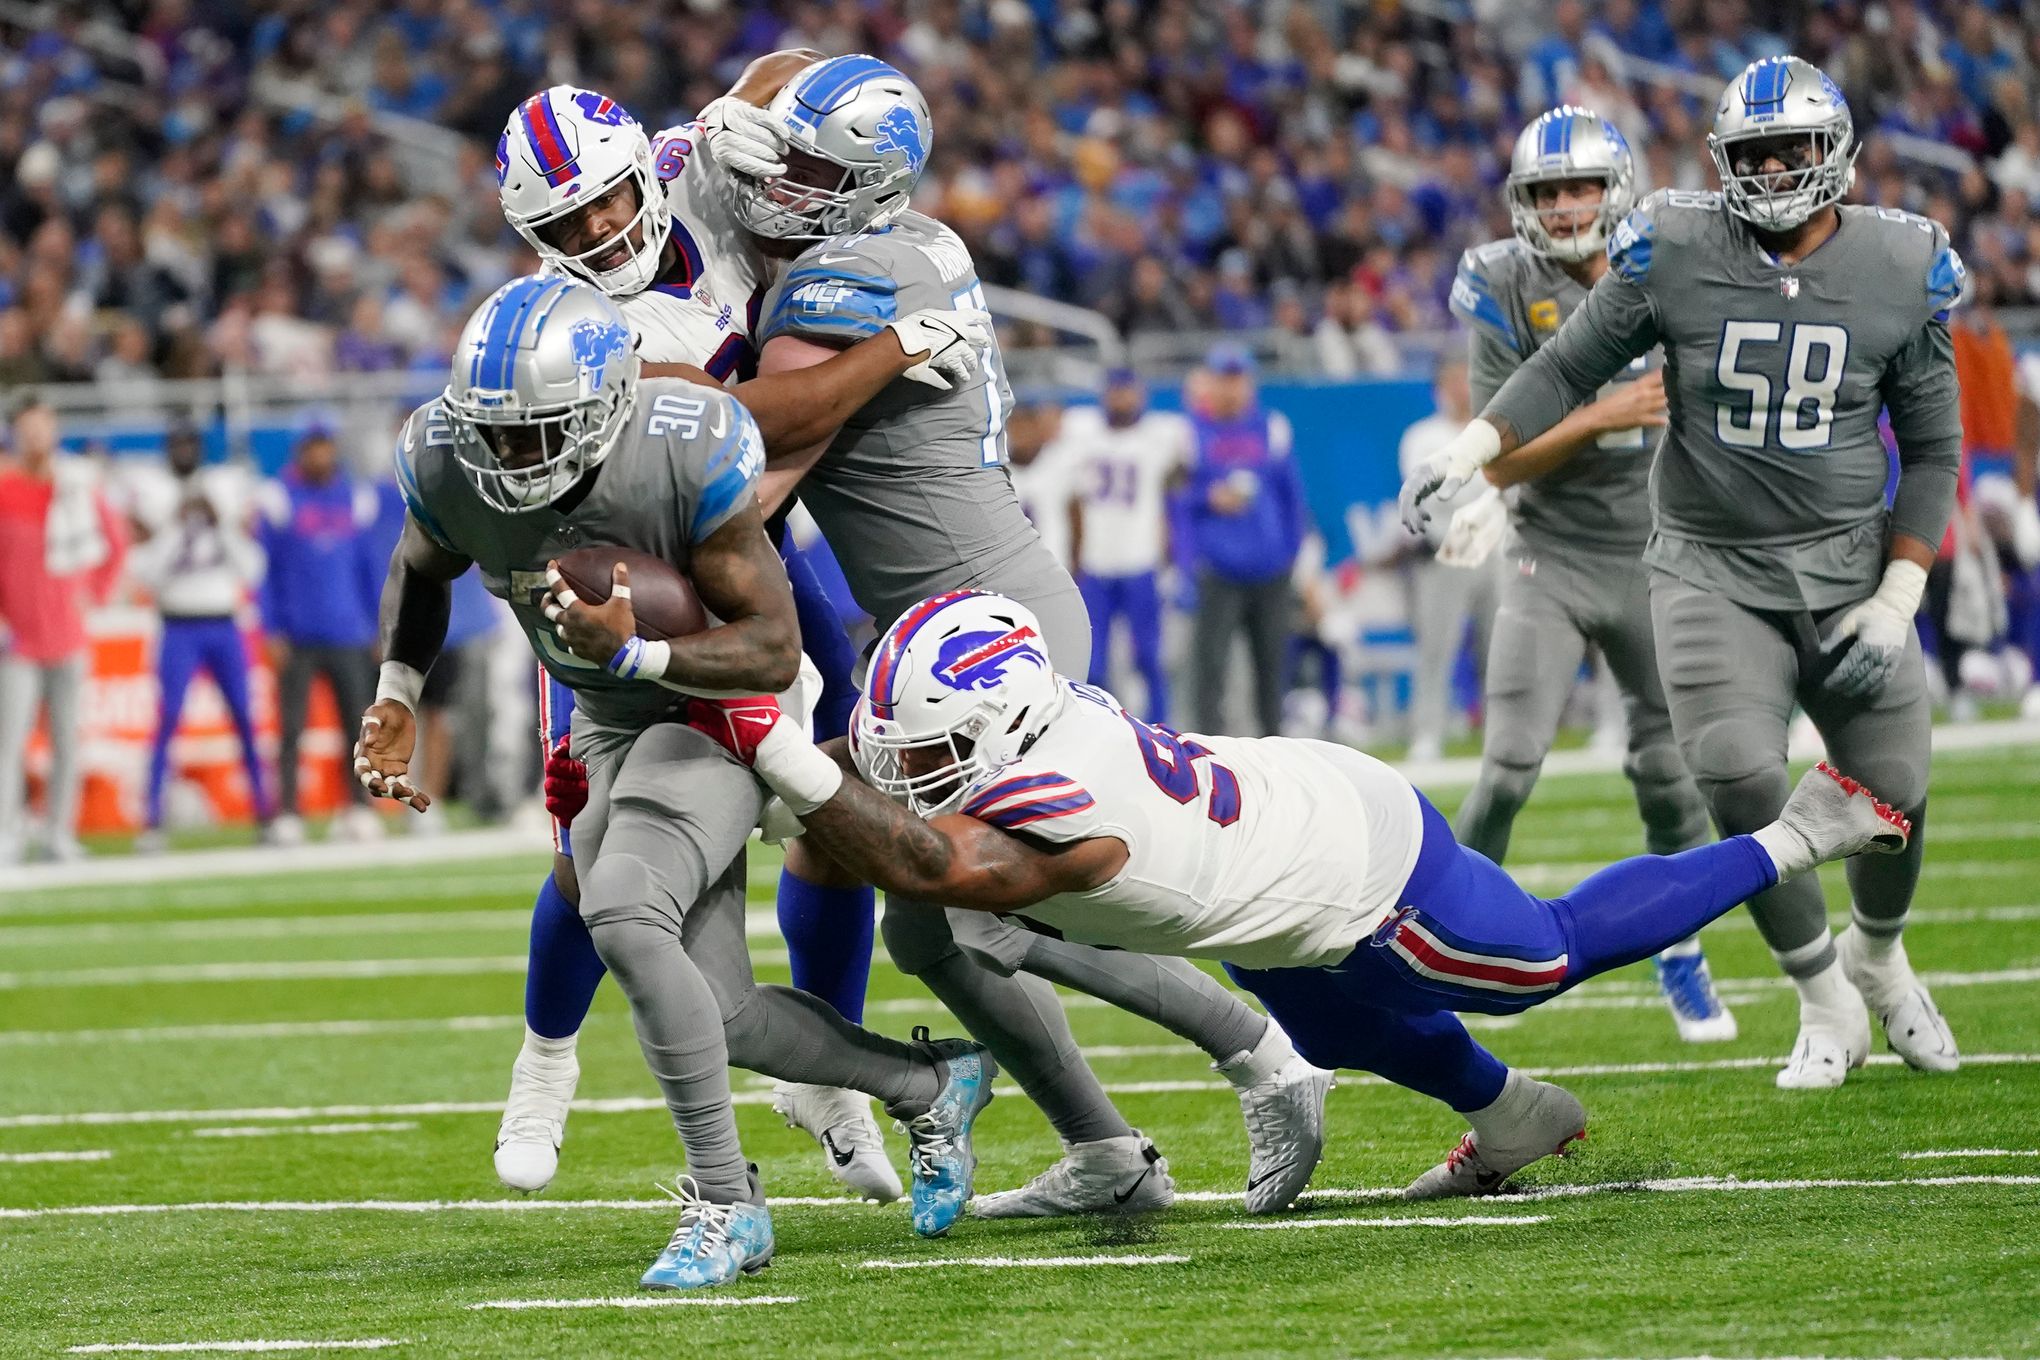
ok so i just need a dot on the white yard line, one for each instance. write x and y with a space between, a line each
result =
1027 1262
259 1029
644 1301
639 1104
287 970
1465 1221
287 1130
1676 1185
380 1343
1934 1154
28 1158
368 924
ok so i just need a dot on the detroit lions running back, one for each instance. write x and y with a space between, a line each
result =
1329 887
1778 575
1579 516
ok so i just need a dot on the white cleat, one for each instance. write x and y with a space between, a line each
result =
1697 1009
1834 1037
841 1122
535 1119
1912 1023
1285 1117
1529 1121
1111 1176
1832 817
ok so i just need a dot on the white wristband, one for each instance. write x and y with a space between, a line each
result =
1482 443
795 769
638 659
400 684
1903 584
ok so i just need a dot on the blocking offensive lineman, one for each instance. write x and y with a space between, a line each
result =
913 495
547 440
1778 575
1330 887
1579 518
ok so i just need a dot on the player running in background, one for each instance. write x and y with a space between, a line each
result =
1123 459
1330 888
648 221
547 440
914 497
1778 575
1579 515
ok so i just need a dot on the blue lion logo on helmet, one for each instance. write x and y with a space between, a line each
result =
595 344
900 130
979 660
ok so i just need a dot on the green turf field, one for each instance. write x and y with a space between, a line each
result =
315 1058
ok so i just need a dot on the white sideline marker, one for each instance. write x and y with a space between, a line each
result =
1466 1221
1934 1153
379 1343
282 1130
641 1301
1025 1262
83 1155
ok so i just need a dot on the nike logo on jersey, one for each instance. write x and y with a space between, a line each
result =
722 421
833 259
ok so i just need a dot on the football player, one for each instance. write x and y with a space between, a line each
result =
1334 891
1779 576
647 221
545 440
1579 518
914 497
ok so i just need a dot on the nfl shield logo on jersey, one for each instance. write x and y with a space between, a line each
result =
1789 286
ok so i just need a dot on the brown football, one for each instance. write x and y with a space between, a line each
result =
663 600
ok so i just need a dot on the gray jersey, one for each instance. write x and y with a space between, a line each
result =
913 495
685 464
1770 486
1513 300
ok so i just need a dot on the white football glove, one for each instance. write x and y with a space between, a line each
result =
952 340
744 139
1445 473
777 824
1868 640
1477 530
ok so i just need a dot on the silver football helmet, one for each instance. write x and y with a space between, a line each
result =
858 134
1784 109
1565 144
544 382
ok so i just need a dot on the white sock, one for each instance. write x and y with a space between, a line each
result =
1684 949
1252 1066
1791 852
1828 990
536 1045
1880 947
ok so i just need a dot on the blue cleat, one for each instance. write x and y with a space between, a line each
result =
940 1153
1689 991
713 1244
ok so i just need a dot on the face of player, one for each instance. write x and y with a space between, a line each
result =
1124 403
795 190
1782 160
610 217
1568 207
518 447
931 758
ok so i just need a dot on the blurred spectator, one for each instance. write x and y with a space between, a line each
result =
1442 598
1124 460
1041 474
1246 521
319 603
201 562
61 549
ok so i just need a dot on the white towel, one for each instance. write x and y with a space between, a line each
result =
72 538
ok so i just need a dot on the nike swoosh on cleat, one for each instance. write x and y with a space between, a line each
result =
1258 1181
842 1158
1121 1196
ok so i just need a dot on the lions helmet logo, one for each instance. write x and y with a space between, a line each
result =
900 130
595 345
979 660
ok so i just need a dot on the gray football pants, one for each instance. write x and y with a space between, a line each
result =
1442 599
1731 678
1547 616
659 851
57 688
995 976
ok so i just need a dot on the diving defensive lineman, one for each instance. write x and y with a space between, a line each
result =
1330 887
1788 322
1580 513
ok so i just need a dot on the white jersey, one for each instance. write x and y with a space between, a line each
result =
1266 852
1121 475
706 315
1044 489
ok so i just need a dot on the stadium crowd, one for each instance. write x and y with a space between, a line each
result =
190 187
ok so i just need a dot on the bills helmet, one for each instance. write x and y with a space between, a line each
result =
565 147
858 135
544 382
959 687
1569 143
1787 110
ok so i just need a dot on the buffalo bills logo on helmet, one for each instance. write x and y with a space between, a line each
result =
595 344
600 108
502 159
979 660
900 130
